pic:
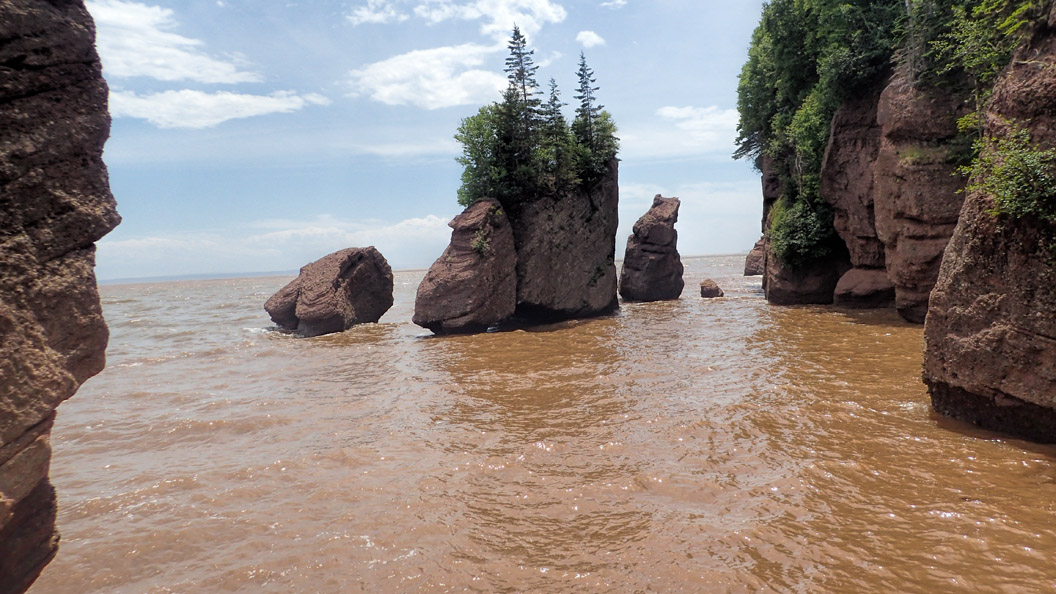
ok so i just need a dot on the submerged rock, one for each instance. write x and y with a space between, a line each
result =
652 269
334 293
473 285
755 263
566 252
709 289
990 336
55 203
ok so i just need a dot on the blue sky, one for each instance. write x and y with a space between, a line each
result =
258 135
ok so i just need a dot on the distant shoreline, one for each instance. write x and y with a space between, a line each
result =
271 273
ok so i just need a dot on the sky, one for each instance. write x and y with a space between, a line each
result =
260 135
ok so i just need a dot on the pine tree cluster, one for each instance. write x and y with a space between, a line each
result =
520 148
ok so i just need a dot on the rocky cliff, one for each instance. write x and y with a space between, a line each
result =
555 252
55 202
990 337
917 199
847 184
566 252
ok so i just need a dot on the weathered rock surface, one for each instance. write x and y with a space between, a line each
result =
566 252
652 269
709 289
864 288
990 337
847 179
55 202
916 192
811 284
755 263
345 288
473 285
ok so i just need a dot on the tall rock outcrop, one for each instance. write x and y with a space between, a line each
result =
847 184
652 269
755 263
55 202
340 290
990 337
473 285
566 251
916 196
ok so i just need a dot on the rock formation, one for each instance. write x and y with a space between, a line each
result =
55 202
847 184
566 252
755 263
709 289
652 269
916 192
990 337
473 285
334 293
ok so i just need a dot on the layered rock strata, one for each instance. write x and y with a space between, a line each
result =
55 202
917 200
990 336
755 263
342 289
473 285
652 269
847 184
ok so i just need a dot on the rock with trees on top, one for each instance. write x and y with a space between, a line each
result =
556 183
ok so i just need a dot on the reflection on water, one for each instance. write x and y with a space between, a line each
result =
696 445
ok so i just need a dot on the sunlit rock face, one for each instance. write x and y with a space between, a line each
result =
990 335
55 203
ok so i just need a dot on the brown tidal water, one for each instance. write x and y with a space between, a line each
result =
689 446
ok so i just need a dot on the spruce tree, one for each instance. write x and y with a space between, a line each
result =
587 112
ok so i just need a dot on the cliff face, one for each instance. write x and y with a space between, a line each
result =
566 252
916 192
990 337
55 202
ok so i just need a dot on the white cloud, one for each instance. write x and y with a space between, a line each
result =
614 4
196 109
499 16
432 78
271 246
589 39
377 12
683 132
136 39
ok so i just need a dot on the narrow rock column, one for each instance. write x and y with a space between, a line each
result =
652 269
55 202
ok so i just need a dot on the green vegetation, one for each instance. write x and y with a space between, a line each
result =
806 58
809 56
520 148
1019 174
480 243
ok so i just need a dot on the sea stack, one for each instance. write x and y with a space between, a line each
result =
56 203
755 263
990 335
473 285
334 293
652 269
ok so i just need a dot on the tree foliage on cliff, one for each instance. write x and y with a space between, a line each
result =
521 148
806 58
1018 174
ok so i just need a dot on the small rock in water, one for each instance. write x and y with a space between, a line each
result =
710 290
334 293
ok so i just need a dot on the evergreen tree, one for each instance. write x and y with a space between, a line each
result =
520 71
587 112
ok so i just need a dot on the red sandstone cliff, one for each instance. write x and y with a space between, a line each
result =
55 202
990 337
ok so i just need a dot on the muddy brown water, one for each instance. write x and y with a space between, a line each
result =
689 446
